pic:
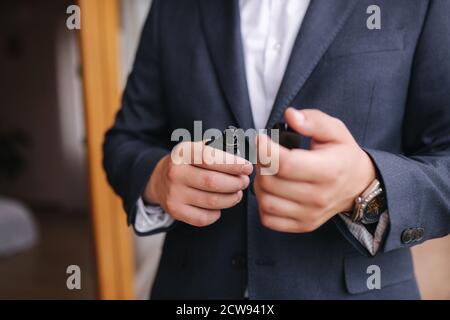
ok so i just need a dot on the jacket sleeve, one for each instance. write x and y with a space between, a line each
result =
139 135
417 182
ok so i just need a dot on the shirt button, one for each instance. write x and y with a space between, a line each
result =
277 46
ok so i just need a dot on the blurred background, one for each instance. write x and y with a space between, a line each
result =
59 90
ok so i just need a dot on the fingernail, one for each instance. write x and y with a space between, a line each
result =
239 196
247 169
246 183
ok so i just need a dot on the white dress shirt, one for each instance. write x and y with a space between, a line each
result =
269 29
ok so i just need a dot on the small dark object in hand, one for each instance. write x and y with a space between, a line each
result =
228 143
288 137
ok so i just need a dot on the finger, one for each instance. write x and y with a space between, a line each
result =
282 224
280 207
269 154
200 155
317 125
197 217
299 192
218 160
214 181
303 165
276 206
295 164
279 224
210 200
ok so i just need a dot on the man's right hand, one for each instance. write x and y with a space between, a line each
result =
195 193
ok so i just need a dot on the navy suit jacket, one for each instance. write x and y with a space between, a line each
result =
391 87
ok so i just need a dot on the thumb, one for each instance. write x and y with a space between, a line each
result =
317 125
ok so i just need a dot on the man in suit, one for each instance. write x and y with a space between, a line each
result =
374 181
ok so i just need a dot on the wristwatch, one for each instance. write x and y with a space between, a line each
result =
369 205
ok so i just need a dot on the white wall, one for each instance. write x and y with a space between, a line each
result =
71 116
133 14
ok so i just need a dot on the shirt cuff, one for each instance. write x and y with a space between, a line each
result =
359 231
150 218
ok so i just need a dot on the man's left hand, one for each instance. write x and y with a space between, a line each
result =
311 186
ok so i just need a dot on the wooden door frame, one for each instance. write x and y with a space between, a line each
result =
99 38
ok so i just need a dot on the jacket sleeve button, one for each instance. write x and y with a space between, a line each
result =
407 236
418 234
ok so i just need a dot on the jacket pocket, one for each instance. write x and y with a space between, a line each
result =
371 41
393 266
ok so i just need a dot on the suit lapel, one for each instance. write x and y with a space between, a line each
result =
321 24
221 25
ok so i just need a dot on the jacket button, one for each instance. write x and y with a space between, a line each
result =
239 262
407 236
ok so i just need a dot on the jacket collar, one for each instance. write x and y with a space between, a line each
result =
221 24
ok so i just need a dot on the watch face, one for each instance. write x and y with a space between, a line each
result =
374 209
